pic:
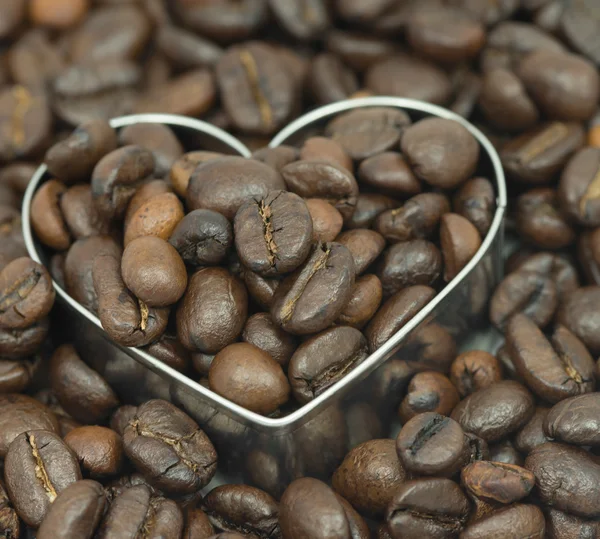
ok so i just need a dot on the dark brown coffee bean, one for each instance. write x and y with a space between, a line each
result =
435 507
368 132
505 103
305 20
505 453
241 508
184 167
560 524
18 344
395 313
516 521
579 23
428 392
364 301
26 294
9 520
76 512
369 476
81 391
364 245
46 216
115 178
538 155
496 411
356 11
527 292
359 50
16 376
261 331
460 241
327 221
223 185
121 417
578 186
79 213
555 369
324 359
257 90
169 449
419 217
16 175
430 347
574 420
185 49
476 201
496 482
431 444
330 80
532 434
250 377
213 310
277 158
198 525
389 173
549 79
300 304
578 314
99 450
566 478
368 207
403 75
475 370
73 159
325 149
38 466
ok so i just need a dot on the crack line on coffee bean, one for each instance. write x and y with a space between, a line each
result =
442 520
542 142
143 315
226 525
322 379
591 193
266 215
24 102
425 434
19 291
40 468
251 69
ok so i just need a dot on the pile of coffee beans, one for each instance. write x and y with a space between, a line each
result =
309 258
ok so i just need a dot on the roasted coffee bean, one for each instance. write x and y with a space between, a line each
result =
325 149
250 377
560 524
540 222
369 476
578 186
460 241
505 103
579 314
548 77
554 369
273 235
202 237
81 391
496 411
223 185
588 255
512 522
9 520
115 178
389 173
327 221
408 76
12 245
537 156
198 525
184 167
147 191
475 370
395 313
241 508
356 11
99 450
505 453
418 218
574 420
38 466
16 376
431 444
257 90
20 343
324 359
169 449
137 509
530 293
358 50
364 245
496 482
79 213
368 132
46 216
261 289
213 311
158 216
330 80
186 50
73 159
532 434
566 478
76 512
365 299
435 507
26 293
121 417
300 304
579 22
429 347
488 12
428 392
368 207
127 319
261 331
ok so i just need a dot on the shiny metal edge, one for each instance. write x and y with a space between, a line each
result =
294 420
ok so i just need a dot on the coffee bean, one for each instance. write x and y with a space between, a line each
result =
577 187
389 173
81 391
325 149
186 50
555 369
560 524
121 417
532 434
573 420
26 293
431 444
496 411
213 311
359 50
418 218
365 299
565 478
429 347
261 331
475 370
435 507
516 521
300 304
395 313
79 213
9 520
324 359
20 343
159 217
76 512
364 245
303 21
505 453
38 466
261 289
99 450
460 241
250 377
16 376
327 220
356 11
428 392
184 167
495 482
579 315
169 449
368 207
330 79
369 476
46 216
537 156
198 525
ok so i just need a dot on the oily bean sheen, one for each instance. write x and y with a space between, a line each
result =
389 173
38 466
460 241
496 411
575 420
169 449
567 478
241 508
325 359
509 523
273 235
554 368
497 482
76 512
312 297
